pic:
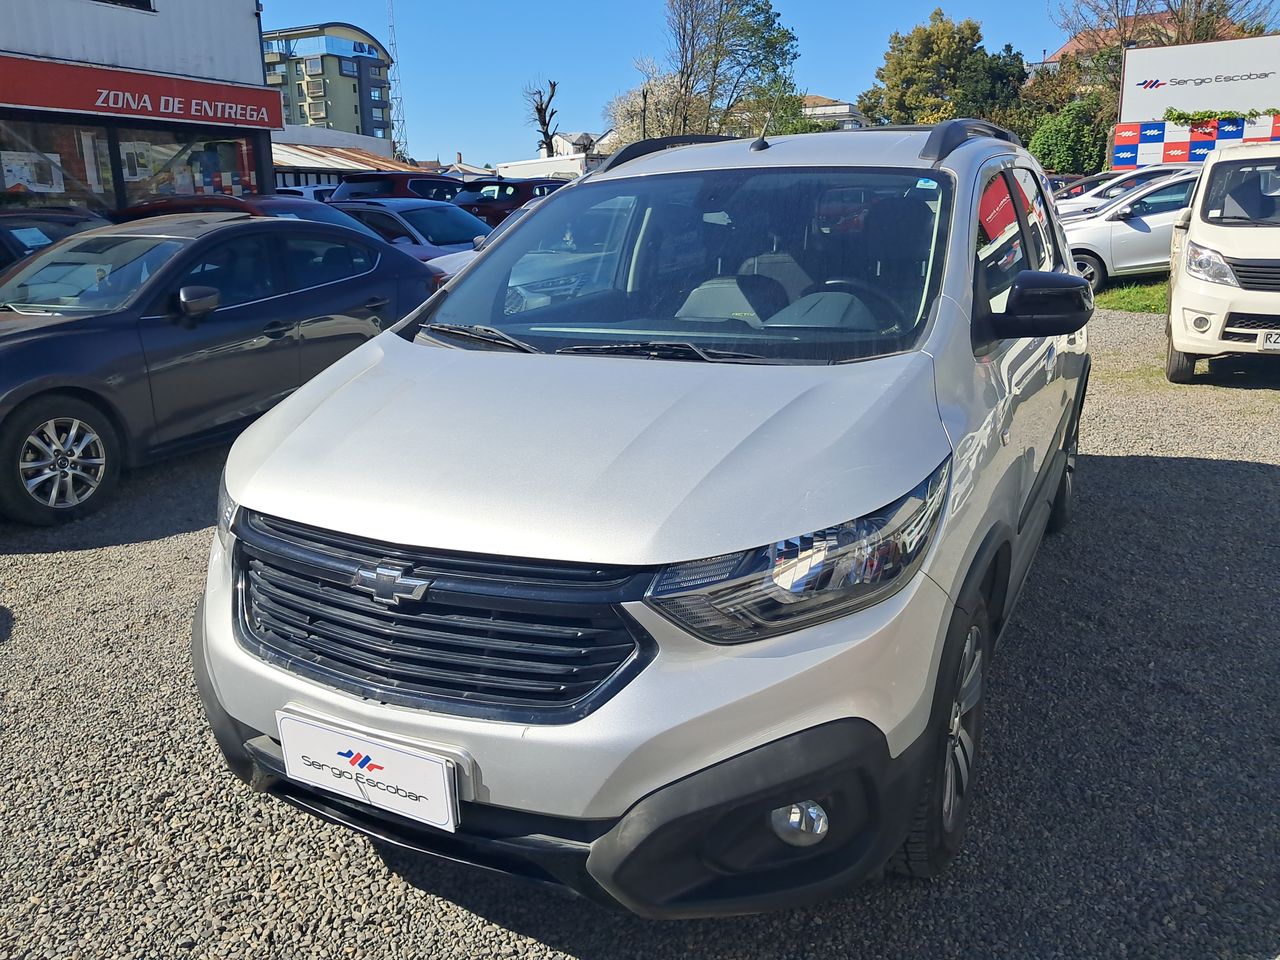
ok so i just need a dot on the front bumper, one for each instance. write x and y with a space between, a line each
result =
1235 316
700 846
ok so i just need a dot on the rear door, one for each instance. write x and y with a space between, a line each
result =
342 294
233 363
1141 243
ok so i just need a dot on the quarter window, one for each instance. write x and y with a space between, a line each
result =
1000 250
240 270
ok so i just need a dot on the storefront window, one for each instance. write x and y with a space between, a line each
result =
159 163
54 164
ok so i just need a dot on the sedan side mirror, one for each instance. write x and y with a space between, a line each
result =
477 242
402 241
1126 212
1043 304
196 301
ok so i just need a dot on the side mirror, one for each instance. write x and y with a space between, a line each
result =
477 242
196 301
1044 304
402 241
1184 220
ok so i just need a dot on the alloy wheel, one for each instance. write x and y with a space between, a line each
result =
62 462
960 754
1087 271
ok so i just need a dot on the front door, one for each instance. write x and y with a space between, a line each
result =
237 361
1141 243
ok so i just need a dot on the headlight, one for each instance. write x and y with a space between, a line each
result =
807 579
226 511
1208 265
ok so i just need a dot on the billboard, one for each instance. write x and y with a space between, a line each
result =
1138 144
1223 75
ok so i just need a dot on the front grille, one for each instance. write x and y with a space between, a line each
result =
1235 337
1257 274
1252 321
522 640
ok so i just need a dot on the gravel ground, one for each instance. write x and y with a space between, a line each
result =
1129 794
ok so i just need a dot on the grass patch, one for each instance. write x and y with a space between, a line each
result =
1151 296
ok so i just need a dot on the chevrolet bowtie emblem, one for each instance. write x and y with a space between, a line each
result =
390 583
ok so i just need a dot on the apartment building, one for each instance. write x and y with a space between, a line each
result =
332 75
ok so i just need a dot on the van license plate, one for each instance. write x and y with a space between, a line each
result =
1269 340
409 782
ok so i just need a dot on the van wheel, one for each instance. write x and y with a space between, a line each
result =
942 813
1091 268
1179 367
59 460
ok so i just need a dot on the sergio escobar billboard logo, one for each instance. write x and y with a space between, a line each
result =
1203 81
359 775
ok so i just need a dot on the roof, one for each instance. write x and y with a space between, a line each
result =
282 33
868 146
391 203
813 100
182 226
302 156
1094 40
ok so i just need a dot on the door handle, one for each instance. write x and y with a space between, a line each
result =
376 303
276 329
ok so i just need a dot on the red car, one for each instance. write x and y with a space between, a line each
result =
382 185
492 198
291 208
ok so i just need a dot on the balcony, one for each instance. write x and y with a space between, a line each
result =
277 79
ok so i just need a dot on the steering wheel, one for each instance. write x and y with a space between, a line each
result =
863 290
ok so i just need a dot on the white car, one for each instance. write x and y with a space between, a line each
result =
1130 235
1103 193
1225 282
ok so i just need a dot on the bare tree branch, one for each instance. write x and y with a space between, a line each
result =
542 113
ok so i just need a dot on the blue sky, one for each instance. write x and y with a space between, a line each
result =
462 69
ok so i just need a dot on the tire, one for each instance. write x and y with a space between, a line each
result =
78 479
1179 367
1062 511
1091 268
938 828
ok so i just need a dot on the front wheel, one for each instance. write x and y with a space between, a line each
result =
1179 367
59 460
1091 268
942 813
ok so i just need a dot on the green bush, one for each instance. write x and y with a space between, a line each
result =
1072 140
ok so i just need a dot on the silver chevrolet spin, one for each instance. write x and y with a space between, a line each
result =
661 555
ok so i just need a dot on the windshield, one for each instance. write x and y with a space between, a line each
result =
1243 192
318 212
787 265
446 225
87 276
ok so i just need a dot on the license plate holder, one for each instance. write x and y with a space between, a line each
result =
1269 340
409 781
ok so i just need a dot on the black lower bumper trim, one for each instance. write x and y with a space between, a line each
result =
701 846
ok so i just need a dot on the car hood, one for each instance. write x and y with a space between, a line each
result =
15 327
593 459
1237 242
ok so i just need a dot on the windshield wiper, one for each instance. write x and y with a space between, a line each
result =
667 350
481 333
1238 218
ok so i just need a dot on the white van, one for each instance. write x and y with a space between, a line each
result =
1224 281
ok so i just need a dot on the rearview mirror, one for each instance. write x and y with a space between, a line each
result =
1043 304
195 301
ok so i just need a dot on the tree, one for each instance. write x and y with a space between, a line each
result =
1073 140
542 113
724 58
941 70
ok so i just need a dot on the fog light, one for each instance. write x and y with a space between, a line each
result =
1201 324
800 824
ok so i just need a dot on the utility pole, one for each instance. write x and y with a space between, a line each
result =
399 129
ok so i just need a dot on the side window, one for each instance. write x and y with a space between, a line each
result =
313 261
1001 256
1165 200
389 228
1031 199
433 190
240 270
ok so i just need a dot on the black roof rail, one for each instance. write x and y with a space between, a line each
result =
642 148
949 134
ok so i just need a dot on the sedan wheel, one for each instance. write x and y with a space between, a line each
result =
1091 268
59 459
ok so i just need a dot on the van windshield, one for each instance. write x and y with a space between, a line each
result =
788 265
1243 193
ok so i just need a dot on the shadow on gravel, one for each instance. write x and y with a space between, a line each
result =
1128 790
6 624
151 503
1242 373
